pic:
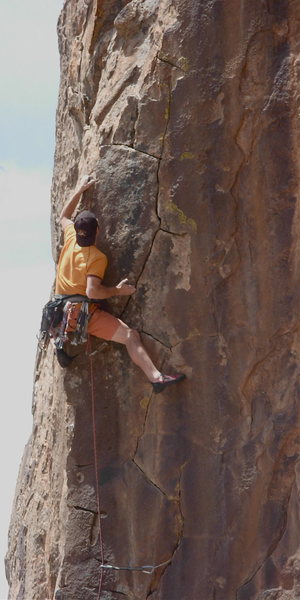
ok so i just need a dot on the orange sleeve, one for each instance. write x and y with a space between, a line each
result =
69 232
98 266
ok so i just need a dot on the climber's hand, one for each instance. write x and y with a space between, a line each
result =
125 289
85 182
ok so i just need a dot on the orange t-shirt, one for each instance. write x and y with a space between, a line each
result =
76 263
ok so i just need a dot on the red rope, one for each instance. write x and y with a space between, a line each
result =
89 348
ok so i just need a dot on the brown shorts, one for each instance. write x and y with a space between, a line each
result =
101 323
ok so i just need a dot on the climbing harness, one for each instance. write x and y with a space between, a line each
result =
148 569
56 323
56 317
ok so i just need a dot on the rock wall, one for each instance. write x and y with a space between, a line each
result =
188 114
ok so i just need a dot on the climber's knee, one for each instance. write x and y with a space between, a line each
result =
126 335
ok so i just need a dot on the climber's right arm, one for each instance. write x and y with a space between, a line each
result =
95 290
69 207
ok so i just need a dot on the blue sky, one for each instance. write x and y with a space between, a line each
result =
29 89
28 80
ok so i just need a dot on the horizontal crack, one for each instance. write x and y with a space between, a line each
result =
173 232
168 62
93 512
135 150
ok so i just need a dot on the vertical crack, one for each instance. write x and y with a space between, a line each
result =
143 429
159 160
179 504
180 532
272 546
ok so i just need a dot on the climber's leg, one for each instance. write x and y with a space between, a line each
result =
131 339
106 326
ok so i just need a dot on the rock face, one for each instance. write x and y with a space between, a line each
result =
187 113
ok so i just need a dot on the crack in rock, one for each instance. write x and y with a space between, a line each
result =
93 512
180 533
270 550
183 234
156 339
134 150
148 478
168 62
141 272
168 110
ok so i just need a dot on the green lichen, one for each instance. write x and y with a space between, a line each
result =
187 155
183 63
184 220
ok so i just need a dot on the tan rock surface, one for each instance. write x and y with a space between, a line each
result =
187 113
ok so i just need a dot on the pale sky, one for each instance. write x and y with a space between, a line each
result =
29 88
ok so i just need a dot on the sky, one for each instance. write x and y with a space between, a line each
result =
29 91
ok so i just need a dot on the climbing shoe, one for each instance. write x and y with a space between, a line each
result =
165 380
63 358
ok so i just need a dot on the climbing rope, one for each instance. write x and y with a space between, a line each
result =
89 347
148 569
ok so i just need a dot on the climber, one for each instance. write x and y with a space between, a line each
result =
80 272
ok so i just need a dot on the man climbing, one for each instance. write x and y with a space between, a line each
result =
80 272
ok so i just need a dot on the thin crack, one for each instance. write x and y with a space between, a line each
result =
260 566
135 150
249 376
234 233
156 339
246 50
93 512
180 533
144 428
274 545
149 480
159 159
158 187
180 507
244 156
173 232
168 113
141 273
137 115
168 62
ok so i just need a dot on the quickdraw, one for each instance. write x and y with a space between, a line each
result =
56 318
